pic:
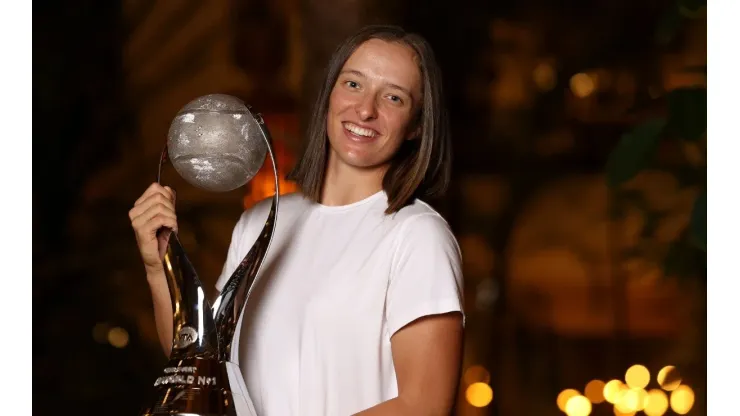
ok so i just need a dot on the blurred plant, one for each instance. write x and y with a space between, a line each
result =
682 124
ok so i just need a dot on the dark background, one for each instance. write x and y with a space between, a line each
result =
567 280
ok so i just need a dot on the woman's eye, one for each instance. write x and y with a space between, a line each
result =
352 84
395 98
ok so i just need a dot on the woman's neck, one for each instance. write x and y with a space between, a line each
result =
344 184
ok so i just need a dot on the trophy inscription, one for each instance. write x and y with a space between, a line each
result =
218 144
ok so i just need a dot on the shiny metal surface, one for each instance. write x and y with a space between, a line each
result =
230 303
215 143
193 386
194 329
204 335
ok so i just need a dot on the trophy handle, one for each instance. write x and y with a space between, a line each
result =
194 330
230 303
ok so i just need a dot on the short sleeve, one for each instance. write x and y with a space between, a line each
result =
233 257
426 273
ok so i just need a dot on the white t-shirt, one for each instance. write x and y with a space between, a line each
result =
336 284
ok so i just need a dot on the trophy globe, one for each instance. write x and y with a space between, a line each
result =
215 143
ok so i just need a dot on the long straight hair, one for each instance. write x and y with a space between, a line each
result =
421 167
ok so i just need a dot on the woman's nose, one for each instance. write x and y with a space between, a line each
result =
366 108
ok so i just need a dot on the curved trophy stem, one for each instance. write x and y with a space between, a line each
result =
194 330
211 335
230 303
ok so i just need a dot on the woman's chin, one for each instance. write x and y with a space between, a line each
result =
356 159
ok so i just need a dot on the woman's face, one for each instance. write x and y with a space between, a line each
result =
373 103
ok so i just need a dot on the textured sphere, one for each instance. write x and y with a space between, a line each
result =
215 143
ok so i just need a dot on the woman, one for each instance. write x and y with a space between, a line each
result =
358 306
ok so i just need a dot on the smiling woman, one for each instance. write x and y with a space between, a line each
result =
371 112
385 82
357 308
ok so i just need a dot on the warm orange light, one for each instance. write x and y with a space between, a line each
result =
618 412
544 76
637 376
656 403
578 406
612 389
118 337
582 85
475 374
262 185
594 391
479 394
564 396
669 378
682 399
631 400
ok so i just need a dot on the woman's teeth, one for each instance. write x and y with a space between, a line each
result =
359 130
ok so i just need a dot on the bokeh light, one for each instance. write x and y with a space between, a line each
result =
669 378
479 394
656 403
612 389
637 377
682 399
642 398
594 391
118 337
544 77
578 406
582 85
564 396
631 400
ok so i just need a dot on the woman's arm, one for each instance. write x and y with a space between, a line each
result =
427 358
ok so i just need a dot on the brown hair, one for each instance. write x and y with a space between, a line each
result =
420 167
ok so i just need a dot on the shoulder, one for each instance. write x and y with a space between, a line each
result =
420 216
289 203
419 223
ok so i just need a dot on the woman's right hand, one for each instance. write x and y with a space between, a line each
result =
153 210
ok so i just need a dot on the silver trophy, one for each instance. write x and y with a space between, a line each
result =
216 143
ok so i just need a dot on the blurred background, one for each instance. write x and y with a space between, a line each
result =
580 142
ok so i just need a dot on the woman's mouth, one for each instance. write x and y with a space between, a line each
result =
357 133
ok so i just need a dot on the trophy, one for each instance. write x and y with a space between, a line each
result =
216 143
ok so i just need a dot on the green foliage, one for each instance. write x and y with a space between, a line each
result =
682 261
699 221
685 122
670 23
634 151
692 8
668 26
688 113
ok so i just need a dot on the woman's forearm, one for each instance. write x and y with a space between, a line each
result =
398 406
388 408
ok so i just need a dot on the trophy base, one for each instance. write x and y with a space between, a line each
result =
200 387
